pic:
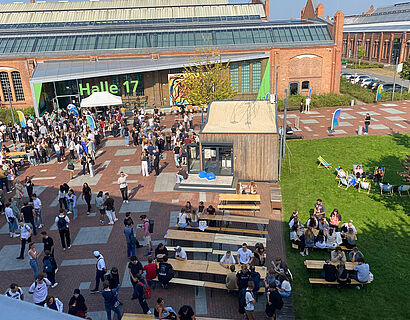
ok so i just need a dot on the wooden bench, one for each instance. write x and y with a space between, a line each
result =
295 246
233 230
318 264
134 316
323 281
222 252
239 206
193 249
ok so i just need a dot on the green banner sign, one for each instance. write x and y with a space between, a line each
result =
127 86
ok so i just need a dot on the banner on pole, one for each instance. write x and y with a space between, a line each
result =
90 122
22 119
72 108
336 118
310 93
379 92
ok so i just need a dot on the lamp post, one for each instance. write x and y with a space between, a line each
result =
11 105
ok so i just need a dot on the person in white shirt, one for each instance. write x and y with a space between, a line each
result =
244 255
39 290
180 254
25 237
100 270
11 220
227 259
182 219
122 181
15 292
250 301
37 209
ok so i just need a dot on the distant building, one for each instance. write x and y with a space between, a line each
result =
383 33
57 53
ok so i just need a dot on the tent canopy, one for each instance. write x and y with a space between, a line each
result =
101 99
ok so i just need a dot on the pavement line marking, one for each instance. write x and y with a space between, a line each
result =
105 165
308 129
43 170
200 301
128 181
76 262
400 125
43 178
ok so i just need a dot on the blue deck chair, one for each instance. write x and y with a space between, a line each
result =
322 162
386 188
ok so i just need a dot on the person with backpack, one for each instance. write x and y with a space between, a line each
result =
165 272
111 302
274 301
148 226
50 267
39 290
62 222
130 238
329 272
250 302
255 278
142 292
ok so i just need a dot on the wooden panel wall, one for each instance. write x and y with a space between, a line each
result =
255 155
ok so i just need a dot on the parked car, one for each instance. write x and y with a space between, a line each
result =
346 75
388 87
374 85
359 79
366 82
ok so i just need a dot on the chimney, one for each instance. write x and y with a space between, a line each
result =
320 10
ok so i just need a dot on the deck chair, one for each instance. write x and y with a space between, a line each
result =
364 185
386 188
383 170
323 163
404 189
338 176
351 181
355 168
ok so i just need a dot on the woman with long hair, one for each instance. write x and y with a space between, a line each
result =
86 195
33 254
335 219
77 305
162 312
54 303
99 204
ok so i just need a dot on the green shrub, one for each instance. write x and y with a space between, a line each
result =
365 65
5 114
326 100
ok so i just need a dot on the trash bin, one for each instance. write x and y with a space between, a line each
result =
352 103
360 131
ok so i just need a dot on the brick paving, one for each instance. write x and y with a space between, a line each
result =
387 118
77 265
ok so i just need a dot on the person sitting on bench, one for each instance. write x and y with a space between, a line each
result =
230 280
320 240
227 258
294 215
329 272
355 254
312 222
323 224
284 286
180 254
165 272
342 276
244 255
362 272
338 255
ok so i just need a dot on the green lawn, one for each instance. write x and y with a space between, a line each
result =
383 225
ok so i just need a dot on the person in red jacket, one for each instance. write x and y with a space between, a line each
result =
150 271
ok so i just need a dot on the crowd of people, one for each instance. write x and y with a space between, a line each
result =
330 234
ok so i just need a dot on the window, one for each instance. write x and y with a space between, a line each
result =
256 76
245 77
18 87
235 75
140 87
305 85
5 86
127 77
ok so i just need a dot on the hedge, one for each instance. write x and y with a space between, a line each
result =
326 100
5 114
365 66
368 95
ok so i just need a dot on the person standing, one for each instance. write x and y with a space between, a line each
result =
122 181
25 236
109 208
28 214
139 293
48 243
301 106
147 234
100 270
274 301
111 301
90 164
99 204
367 119
86 195
77 306
250 302
126 135
11 220
307 105
29 187
177 150
130 238
144 164
39 290
33 254
37 210
50 267
134 269
157 157
72 203
62 222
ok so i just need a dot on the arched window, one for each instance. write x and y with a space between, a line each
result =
5 86
305 85
18 87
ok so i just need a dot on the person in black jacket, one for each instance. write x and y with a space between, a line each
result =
329 271
50 267
274 301
140 295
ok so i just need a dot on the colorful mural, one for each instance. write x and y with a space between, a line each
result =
176 90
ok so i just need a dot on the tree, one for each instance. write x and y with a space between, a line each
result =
360 52
207 78
405 73
406 165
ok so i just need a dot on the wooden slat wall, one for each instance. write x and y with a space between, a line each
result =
256 154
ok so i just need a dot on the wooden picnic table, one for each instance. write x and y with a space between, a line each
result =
213 237
216 268
232 218
224 197
318 264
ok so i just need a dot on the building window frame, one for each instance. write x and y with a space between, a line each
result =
17 85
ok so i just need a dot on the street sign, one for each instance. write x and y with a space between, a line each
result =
400 67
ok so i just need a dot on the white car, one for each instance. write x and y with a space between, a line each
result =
366 82
359 79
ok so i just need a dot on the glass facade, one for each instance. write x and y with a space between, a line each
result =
5 86
256 76
165 39
235 75
18 87
245 77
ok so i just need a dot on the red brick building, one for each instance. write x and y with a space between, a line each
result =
382 32
57 53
